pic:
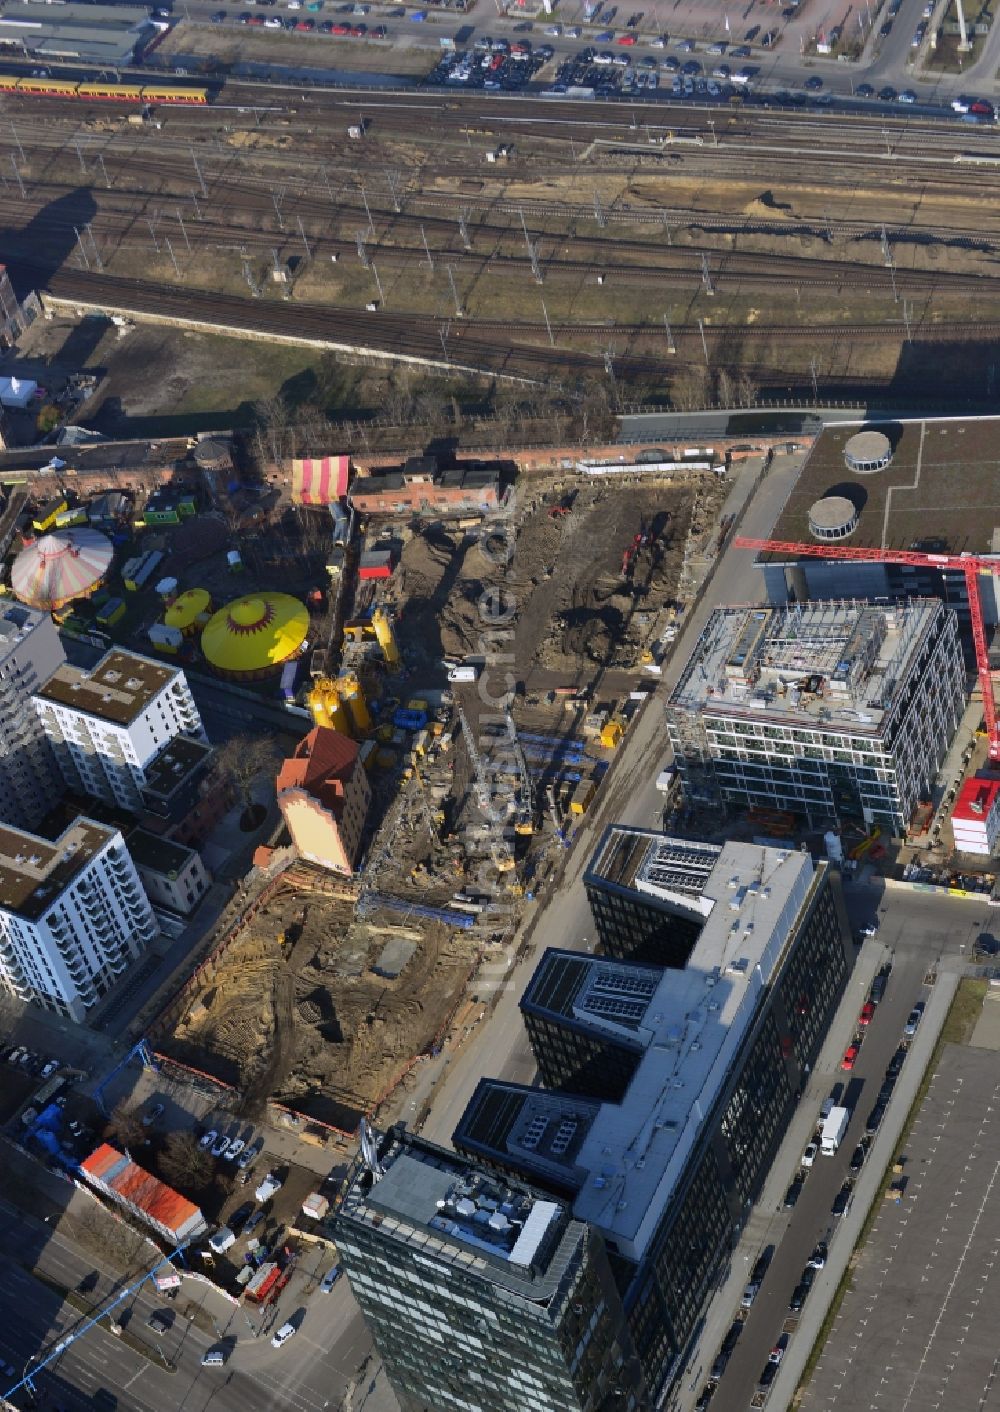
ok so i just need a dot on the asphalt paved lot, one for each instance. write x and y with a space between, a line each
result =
917 1332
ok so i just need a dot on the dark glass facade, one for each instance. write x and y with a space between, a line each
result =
632 928
458 1332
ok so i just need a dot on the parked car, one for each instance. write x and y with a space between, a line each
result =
896 1062
799 1295
842 1201
221 1240
258 1216
240 1217
916 1015
220 1145
850 1057
152 1115
330 1278
705 1396
726 1348
208 1139
793 1193
161 1320
776 1355
234 1149
867 1011
818 1258
874 1120
214 1358
810 1154
857 1159
283 1335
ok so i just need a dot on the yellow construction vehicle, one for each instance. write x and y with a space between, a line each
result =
386 637
349 689
327 707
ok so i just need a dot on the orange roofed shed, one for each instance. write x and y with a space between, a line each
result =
111 1172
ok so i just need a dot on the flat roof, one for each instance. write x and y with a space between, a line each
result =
157 855
666 870
827 664
539 1129
975 800
693 1027
941 485
174 765
34 871
571 985
497 1229
117 689
17 621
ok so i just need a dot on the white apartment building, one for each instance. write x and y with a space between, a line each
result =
831 711
30 651
73 916
109 725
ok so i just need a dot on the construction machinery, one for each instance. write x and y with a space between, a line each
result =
327 705
386 638
349 690
969 565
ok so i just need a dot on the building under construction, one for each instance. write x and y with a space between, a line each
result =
832 711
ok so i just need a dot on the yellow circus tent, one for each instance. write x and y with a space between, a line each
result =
186 609
255 635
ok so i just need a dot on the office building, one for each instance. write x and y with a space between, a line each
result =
482 1294
721 1050
109 726
323 795
645 894
73 916
30 651
830 711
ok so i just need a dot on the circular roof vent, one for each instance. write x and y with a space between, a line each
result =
867 452
833 517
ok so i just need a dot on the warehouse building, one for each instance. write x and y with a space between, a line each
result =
833 710
73 916
112 35
719 1052
482 1293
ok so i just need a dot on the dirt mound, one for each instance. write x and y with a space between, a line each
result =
766 207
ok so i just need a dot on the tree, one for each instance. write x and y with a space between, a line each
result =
126 1126
184 1164
243 760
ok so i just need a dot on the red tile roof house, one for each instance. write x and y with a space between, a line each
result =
323 795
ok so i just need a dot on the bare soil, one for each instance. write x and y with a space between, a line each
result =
316 1029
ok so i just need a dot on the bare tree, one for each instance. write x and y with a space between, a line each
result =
689 391
271 435
726 389
126 1126
184 1164
747 391
244 759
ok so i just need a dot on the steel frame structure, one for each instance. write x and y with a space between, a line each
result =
970 565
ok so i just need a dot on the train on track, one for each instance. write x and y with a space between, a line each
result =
103 92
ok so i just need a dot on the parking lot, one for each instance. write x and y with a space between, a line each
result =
917 1330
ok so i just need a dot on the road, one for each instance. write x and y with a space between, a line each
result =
917 932
100 1371
563 918
886 60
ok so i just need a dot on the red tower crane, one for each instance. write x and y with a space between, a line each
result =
968 564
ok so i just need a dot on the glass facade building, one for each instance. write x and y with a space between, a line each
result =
726 1045
482 1293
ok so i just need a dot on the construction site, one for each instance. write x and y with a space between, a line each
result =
481 757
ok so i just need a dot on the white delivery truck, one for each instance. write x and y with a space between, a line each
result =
834 1128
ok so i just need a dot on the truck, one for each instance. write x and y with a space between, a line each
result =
834 1128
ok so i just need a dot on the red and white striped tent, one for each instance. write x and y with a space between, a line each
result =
320 480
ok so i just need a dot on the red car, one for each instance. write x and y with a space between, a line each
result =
306 24
627 39
867 1011
850 1057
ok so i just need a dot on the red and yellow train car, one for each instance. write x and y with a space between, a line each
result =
104 92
